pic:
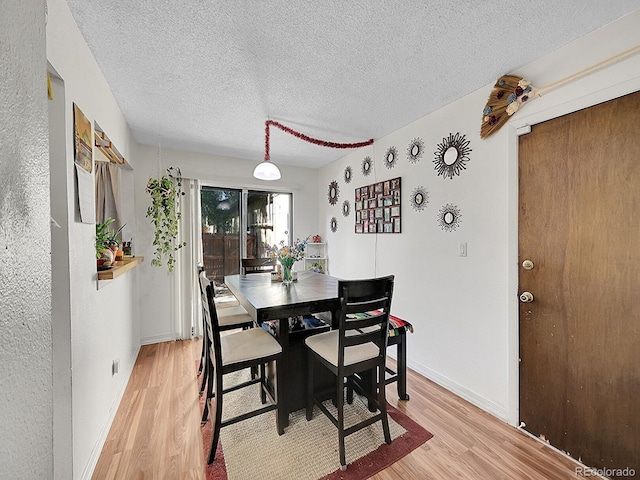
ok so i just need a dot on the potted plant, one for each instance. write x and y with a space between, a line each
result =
104 255
164 214
107 243
114 241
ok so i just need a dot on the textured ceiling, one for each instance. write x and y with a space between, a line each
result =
204 75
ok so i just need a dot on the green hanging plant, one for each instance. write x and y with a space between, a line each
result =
164 213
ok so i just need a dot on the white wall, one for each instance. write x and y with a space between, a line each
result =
465 309
157 322
100 324
26 443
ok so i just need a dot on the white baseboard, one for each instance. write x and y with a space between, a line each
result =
157 339
104 431
461 391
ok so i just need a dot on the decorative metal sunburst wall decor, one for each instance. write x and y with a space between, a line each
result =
451 155
346 208
419 198
415 150
391 157
367 166
334 192
348 174
449 217
333 224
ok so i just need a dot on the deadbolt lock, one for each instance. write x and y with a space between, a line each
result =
527 265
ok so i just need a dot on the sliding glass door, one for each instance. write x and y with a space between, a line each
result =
221 228
240 224
268 221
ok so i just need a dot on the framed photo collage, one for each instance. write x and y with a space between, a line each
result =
377 207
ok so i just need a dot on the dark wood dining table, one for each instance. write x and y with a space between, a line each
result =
265 299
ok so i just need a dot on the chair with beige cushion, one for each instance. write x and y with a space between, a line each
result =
235 351
358 345
230 318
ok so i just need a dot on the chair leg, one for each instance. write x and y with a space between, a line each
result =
263 383
282 417
216 418
201 366
340 408
310 393
203 383
204 363
350 381
382 405
208 368
401 353
203 358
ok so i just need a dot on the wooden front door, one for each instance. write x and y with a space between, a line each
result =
579 224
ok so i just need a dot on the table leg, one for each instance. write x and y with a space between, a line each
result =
282 371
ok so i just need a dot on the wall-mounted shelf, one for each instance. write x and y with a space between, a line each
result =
120 267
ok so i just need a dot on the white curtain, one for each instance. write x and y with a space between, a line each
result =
108 193
186 291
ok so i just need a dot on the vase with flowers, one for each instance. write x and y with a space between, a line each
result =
287 255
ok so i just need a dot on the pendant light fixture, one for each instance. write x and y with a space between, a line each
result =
266 170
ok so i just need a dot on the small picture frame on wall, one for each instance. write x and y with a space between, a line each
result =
377 207
82 140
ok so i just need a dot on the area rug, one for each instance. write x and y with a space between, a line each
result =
308 450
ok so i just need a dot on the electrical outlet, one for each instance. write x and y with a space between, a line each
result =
115 367
462 249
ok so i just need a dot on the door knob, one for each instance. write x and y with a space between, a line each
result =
527 265
526 297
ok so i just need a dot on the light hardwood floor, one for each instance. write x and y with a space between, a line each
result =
156 432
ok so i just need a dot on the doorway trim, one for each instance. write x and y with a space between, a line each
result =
514 130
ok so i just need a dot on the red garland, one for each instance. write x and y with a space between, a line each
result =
306 138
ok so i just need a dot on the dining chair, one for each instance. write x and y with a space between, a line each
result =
258 265
236 351
230 318
359 344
